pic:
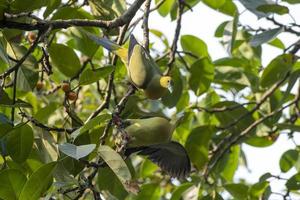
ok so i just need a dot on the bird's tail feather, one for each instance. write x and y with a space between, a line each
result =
111 46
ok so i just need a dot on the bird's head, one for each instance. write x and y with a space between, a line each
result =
166 82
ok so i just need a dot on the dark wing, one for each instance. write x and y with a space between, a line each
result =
170 157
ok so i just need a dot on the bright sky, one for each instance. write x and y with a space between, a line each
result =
202 22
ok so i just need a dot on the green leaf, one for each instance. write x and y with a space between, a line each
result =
82 41
19 142
89 76
116 164
107 180
276 70
273 8
160 35
177 194
251 5
150 191
166 7
230 32
76 152
260 141
228 8
148 168
51 6
277 43
100 119
107 9
215 4
258 189
18 6
38 182
230 163
265 36
288 160
202 74
194 45
231 61
265 177
287 126
73 166
64 59
238 191
294 182
26 79
183 102
6 101
171 99
292 1
3 43
44 113
197 145
68 12
220 29
11 183
5 125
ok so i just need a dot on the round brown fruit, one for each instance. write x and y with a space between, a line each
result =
65 87
39 85
31 37
72 96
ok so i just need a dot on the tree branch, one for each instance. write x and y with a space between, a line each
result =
59 24
43 126
158 5
145 24
176 36
221 109
266 95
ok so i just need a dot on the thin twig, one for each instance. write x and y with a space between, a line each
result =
52 91
221 109
158 5
14 94
23 14
43 126
84 65
176 36
286 28
145 24
118 110
191 54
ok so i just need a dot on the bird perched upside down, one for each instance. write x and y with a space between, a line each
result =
151 137
142 71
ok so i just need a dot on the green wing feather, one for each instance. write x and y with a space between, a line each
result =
148 131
